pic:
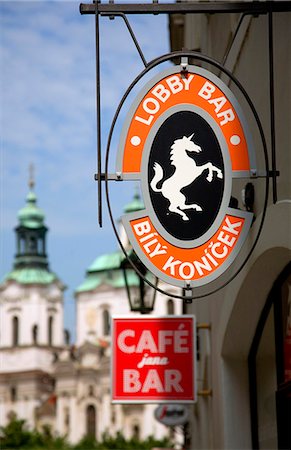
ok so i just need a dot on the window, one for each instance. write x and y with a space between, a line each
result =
67 337
90 390
170 307
15 331
136 431
32 244
34 334
22 245
66 419
106 322
13 394
91 420
270 369
50 330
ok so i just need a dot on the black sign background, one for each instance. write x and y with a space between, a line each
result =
206 194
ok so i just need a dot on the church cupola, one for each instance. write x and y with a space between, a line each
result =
31 295
31 234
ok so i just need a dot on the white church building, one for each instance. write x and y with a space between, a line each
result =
43 378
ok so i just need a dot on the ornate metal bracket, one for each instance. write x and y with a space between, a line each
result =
113 10
254 9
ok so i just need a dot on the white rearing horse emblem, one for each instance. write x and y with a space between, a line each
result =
186 172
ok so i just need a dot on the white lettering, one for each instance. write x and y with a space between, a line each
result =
152 361
147 103
228 116
218 254
142 228
175 84
146 238
131 381
172 381
225 239
121 341
147 121
171 264
152 381
210 257
146 342
187 81
230 227
159 250
190 270
161 93
218 102
177 339
164 340
206 91
149 244
202 265
181 341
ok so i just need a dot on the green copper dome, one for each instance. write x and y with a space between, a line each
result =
105 269
31 216
31 275
31 264
135 205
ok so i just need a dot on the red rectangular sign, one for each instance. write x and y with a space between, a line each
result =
153 359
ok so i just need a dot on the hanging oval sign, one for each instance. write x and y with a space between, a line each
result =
185 138
172 415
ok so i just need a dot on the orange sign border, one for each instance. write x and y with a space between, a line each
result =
202 85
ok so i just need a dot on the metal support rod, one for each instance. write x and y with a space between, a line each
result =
205 393
254 7
203 326
123 16
98 115
272 103
233 38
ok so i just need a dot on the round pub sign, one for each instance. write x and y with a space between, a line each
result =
185 139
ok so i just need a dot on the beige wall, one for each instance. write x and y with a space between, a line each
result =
223 420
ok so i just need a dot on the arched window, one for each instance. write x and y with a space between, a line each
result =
136 431
66 419
90 390
106 322
13 394
270 369
50 330
34 334
15 331
91 420
22 245
170 307
32 244
67 337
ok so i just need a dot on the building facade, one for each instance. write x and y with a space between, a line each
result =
43 378
101 295
247 352
31 319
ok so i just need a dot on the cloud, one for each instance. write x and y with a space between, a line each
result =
48 108
48 117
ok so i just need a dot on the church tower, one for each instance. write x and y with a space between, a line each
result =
31 319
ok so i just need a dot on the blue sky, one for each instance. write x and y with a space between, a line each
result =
48 118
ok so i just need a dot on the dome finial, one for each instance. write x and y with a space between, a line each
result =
136 204
31 182
136 192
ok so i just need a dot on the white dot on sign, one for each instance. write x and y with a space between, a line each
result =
135 140
235 139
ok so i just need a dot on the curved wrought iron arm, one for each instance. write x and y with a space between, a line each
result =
218 65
